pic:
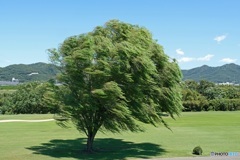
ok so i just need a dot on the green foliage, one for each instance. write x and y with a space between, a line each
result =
204 86
197 150
4 103
29 98
113 76
225 104
208 96
190 84
192 99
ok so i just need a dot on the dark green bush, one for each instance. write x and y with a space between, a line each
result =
197 150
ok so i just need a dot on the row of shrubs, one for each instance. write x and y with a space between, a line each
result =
212 105
29 98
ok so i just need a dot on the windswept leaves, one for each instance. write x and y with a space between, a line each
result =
117 75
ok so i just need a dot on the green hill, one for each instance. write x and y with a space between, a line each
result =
31 72
44 72
225 73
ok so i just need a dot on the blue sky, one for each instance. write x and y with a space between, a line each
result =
194 32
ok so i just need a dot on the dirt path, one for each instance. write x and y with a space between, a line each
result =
15 120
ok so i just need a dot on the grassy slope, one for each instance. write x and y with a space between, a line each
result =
213 131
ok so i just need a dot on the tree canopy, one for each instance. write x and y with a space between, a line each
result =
115 76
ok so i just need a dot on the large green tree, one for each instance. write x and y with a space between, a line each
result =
115 76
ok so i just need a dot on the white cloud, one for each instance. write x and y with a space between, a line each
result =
205 58
220 38
179 51
228 60
186 59
190 59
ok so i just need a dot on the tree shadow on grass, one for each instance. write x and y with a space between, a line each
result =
107 148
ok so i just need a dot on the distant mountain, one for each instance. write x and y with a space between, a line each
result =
26 73
44 72
225 73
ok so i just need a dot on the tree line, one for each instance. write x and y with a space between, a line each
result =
28 98
37 97
207 96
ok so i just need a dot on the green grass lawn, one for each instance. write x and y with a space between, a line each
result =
213 131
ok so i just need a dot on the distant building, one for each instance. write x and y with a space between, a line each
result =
15 80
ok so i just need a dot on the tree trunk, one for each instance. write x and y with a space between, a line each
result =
90 139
